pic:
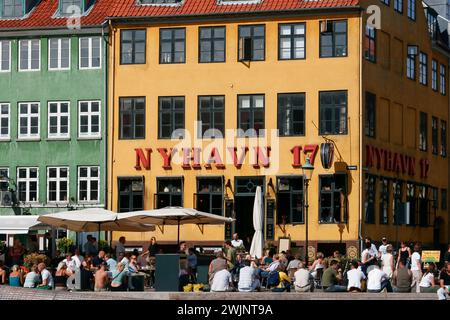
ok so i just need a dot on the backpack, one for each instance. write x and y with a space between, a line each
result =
273 279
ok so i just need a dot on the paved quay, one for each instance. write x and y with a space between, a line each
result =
12 293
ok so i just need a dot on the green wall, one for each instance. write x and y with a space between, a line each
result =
44 86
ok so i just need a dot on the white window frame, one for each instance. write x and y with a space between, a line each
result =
29 55
29 136
89 134
88 179
27 180
59 68
58 115
8 116
58 181
89 67
7 173
9 56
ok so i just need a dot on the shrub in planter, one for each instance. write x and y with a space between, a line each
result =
35 258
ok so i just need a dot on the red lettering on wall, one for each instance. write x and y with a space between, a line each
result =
261 157
215 158
311 148
296 152
143 159
197 158
369 156
186 158
167 157
424 168
238 161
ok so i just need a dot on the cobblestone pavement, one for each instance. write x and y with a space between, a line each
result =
12 293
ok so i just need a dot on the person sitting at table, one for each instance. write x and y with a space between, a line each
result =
15 277
111 263
219 263
284 282
248 277
61 275
101 278
70 263
32 279
267 259
87 263
46 278
428 284
132 265
117 281
98 259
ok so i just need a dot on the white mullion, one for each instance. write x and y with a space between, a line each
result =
89 114
29 53
90 53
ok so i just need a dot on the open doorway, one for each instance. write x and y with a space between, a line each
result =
245 189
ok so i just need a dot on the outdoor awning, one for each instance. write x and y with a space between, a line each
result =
20 224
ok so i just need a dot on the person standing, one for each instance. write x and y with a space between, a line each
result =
368 257
230 254
416 267
120 247
387 260
404 254
382 249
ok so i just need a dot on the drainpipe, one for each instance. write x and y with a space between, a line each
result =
105 108
360 133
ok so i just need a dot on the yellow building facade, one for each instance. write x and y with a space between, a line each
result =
149 170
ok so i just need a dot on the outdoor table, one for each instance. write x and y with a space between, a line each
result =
137 281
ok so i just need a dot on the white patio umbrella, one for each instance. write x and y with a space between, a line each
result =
93 219
175 216
256 249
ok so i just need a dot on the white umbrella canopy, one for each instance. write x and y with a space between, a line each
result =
256 249
175 216
93 219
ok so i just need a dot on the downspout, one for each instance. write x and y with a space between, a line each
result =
113 87
360 132
105 90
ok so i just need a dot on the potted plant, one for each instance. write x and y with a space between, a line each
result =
104 245
65 244
35 258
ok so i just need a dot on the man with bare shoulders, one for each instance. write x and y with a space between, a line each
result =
101 278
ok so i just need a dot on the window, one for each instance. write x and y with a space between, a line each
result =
370 117
423 136
384 200
434 84
434 135
291 114
64 6
5 121
4 179
13 8
386 2
5 56
90 53
444 199
172 45
212 44
333 112
443 138
89 119
88 184
57 184
424 207
132 118
370 44
133 46
170 192
292 41
58 120
423 73
333 38
443 79
211 115
412 9
369 204
252 45
251 114
290 200
209 197
171 117
411 205
59 54
29 120
398 6
159 1
411 62
398 206
30 55
131 194
28 184
333 198
434 198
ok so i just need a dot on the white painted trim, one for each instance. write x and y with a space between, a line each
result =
29 56
59 68
58 181
89 67
9 57
88 179
27 181
89 113
29 136
59 114
8 116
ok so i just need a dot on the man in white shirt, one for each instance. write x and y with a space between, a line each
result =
303 279
416 268
70 263
77 258
222 281
383 247
236 242
248 278
378 280
373 251
355 276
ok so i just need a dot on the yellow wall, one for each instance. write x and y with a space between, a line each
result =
399 103
269 77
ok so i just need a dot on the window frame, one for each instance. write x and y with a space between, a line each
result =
398 6
370 119
29 54
27 180
292 37
90 55
212 41
333 41
411 64
211 110
253 38
3 180
423 131
210 194
170 193
372 42
29 136
332 191
14 5
292 109
443 145
59 58
261 132
292 193
346 113
9 55
172 43
89 113
434 75
133 113
423 68
383 200
443 79
6 137
131 193
88 180
133 46
58 181
173 114
370 216
58 115
411 9
434 135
